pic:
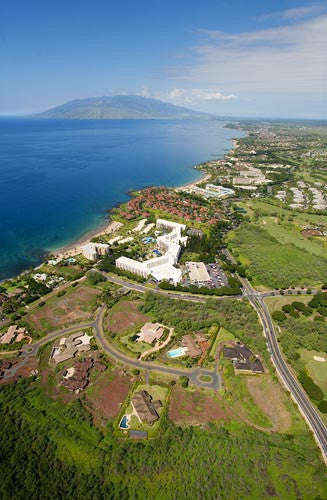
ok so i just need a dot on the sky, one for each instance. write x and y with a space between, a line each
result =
260 58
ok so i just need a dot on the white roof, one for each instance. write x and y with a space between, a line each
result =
168 223
131 262
167 272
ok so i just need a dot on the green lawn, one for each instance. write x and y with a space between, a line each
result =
157 392
289 234
274 264
134 347
276 303
65 454
317 370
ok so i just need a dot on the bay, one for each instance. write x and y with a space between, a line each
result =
58 178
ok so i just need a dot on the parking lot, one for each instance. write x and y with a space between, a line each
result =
217 275
200 274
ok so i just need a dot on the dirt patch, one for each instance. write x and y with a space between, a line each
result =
20 369
107 396
194 408
268 395
125 315
67 309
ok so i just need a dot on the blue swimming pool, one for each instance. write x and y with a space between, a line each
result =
176 353
124 423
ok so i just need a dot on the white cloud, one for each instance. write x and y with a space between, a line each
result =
289 58
185 96
295 13
144 92
302 12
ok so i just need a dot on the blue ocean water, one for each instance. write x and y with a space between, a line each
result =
58 178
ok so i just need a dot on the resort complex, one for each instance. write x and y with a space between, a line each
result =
176 325
93 251
163 267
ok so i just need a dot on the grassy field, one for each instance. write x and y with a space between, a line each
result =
276 303
261 209
239 399
316 369
222 335
157 392
66 454
125 315
76 305
272 263
289 234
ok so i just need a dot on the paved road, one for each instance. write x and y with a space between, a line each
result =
32 349
196 298
257 300
174 295
299 395
308 410
192 374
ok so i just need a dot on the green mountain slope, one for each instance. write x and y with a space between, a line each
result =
120 107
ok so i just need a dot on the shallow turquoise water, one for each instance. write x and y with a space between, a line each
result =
59 177
176 353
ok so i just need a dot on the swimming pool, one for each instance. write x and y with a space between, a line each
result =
148 239
124 423
176 353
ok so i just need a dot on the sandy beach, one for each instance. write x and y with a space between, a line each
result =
110 226
75 248
204 178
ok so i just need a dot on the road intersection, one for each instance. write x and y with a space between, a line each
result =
197 376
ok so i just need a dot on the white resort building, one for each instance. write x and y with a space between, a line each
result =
161 268
93 251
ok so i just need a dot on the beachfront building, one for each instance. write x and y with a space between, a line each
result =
212 191
92 251
163 267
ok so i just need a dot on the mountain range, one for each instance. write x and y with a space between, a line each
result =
120 107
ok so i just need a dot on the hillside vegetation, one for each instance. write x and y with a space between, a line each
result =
60 454
273 264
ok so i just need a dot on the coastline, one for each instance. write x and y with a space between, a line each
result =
74 248
111 226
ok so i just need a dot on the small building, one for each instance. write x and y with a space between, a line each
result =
249 366
311 232
76 377
193 350
12 333
9 335
68 347
138 434
198 272
150 332
145 408
243 358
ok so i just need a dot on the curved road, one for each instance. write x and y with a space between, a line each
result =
192 374
196 298
299 395
257 300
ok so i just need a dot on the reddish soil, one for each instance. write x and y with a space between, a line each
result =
194 408
110 395
66 309
22 371
126 315
268 395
